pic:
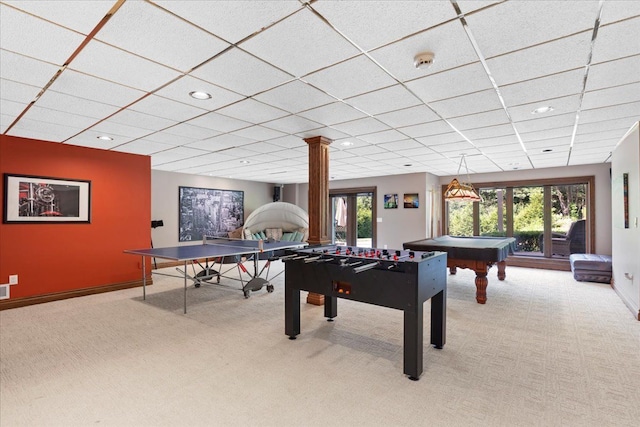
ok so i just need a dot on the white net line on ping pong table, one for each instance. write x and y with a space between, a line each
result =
235 243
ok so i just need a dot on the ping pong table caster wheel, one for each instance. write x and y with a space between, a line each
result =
247 293
197 285
269 288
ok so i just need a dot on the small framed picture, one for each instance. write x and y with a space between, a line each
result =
390 201
38 199
411 200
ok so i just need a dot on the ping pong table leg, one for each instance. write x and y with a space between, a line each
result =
144 280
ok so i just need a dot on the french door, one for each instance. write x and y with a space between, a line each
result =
352 214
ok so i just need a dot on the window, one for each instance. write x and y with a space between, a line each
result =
550 219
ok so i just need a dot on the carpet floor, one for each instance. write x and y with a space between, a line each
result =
544 350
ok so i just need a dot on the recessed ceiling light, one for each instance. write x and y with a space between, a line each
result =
245 162
105 138
199 95
541 110
346 143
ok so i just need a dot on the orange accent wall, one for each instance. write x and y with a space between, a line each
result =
52 258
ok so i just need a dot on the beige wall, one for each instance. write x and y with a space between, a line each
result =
164 199
626 241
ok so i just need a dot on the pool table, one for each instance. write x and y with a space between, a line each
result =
476 253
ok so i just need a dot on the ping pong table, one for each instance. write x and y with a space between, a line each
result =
211 250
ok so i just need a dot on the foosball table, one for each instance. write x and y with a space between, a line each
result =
399 279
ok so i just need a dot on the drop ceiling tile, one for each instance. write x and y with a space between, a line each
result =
258 133
34 37
18 93
174 155
219 122
486 100
420 153
36 129
289 142
113 129
404 144
232 20
294 97
392 20
518 28
458 81
221 142
442 138
598 136
242 73
540 89
345 80
561 106
590 159
264 147
46 115
535 147
487 118
305 44
617 40
146 30
190 131
10 111
448 42
550 122
546 134
361 126
611 96
98 59
142 120
180 89
142 146
456 148
611 113
384 100
408 116
550 162
498 143
365 151
88 87
89 138
426 129
381 137
252 111
75 105
22 69
616 125
325 131
336 112
559 56
169 139
384 156
166 108
292 124
615 10
81 16
613 73
505 130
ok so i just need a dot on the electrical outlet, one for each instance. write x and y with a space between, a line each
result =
13 279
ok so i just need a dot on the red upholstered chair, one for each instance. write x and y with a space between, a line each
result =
572 243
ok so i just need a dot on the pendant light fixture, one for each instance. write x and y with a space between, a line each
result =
462 191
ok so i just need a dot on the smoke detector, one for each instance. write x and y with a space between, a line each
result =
423 60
